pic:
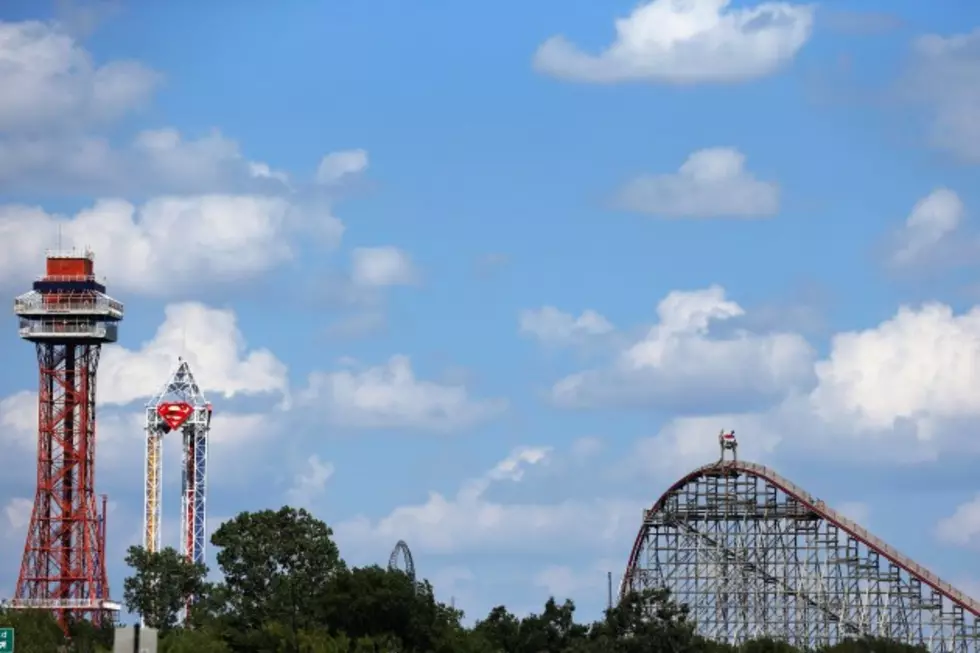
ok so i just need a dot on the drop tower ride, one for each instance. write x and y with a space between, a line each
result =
68 316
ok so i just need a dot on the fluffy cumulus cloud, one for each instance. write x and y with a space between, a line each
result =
962 528
914 371
378 267
17 512
711 183
337 165
165 245
925 235
945 78
679 364
391 396
156 161
57 105
51 82
699 41
554 327
686 443
472 521
310 482
211 342
900 392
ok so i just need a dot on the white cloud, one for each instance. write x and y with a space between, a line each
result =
963 526
378 267
337 165
698 41
57 102
18 513
932 220
945 78
310 482
472 521
50 81
679 364
157 161
686 443
18 418
856 511
390 396
211 342
552 326
711 183
562 581
903 391
919 366
167 245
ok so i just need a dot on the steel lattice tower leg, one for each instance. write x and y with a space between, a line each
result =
68 317
194 494
152 499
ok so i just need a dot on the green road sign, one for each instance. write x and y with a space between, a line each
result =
6 640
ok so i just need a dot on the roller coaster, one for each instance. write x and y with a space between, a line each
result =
401 554
753 555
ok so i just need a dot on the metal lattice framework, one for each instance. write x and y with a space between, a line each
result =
68 317
753 555
179 406
402 551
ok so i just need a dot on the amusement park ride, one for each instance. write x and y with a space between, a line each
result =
180 407
753 555
750 553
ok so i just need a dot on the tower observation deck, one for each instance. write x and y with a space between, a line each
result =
68 316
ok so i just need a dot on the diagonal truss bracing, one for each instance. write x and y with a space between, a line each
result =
753 555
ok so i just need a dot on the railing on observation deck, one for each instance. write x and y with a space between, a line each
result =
35 304
36 329
60 604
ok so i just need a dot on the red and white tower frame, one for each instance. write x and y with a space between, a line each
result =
179 406
68 316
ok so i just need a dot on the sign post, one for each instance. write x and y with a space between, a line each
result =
6 640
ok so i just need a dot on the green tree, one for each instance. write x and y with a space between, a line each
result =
501 630
184 640
375 602
161 585
275 566
642 622
37 631
86 637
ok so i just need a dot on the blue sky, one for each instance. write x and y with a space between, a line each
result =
724 240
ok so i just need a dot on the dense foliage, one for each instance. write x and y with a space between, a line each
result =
286 589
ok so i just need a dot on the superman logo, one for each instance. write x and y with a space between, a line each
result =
174 414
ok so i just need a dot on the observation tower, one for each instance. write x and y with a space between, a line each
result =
68 316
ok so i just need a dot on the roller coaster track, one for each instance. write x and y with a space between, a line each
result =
754 555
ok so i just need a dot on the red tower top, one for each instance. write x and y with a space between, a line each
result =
70 265
68 304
